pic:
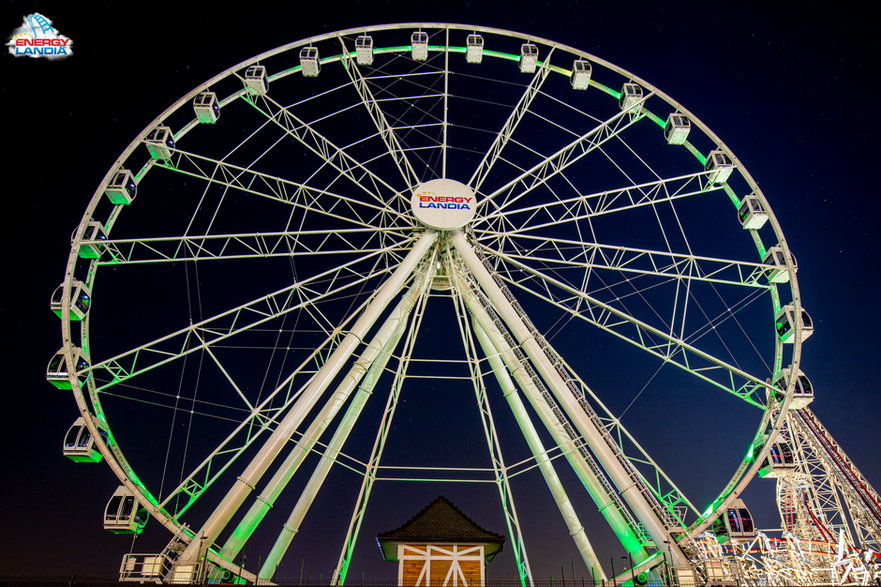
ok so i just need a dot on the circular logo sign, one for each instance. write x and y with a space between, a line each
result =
443 204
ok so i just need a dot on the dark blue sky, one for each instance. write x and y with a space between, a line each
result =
790 90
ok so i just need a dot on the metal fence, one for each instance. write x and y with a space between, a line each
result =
92 581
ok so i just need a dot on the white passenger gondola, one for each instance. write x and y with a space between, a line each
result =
719 166
122 188
779 462
160 142
676 128
80 300
474 48
802 390
92 246
735 524
123 514
364 50
255 80
528 58
206 107
581 71
79 445
309 63
145 568
419 45
631 96
777 271
751 213
57 372
785 323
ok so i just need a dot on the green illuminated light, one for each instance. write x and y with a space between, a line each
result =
656 119
344 569
501 55
712 507
398 49
451 49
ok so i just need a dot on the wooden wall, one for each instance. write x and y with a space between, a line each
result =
439 565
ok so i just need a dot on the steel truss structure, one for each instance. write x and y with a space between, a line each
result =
272 257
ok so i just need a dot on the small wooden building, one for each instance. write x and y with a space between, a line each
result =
440 546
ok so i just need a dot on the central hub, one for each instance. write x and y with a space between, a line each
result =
443 204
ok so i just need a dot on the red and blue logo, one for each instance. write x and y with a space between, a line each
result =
36 37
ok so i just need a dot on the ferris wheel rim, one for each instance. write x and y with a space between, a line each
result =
70 271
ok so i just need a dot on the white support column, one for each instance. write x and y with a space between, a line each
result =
599 491
373 362
500 469
245 483
372 465
558 492
627 486
393 326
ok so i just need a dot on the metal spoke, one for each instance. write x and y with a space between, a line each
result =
220 247
444 142
555 163
585 206
671 502
225 372
657 342
504 135
563 253
300 195
226 324
304 133
386 132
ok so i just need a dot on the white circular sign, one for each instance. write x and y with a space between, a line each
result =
443 204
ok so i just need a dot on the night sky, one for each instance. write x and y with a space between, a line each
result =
790 90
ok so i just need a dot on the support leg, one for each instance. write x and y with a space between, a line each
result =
345 558
500 470
558 492
281 435
373 361
628 486
564 436
388 332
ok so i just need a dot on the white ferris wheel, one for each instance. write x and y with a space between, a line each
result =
372 220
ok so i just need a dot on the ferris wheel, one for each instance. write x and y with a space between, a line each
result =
396 217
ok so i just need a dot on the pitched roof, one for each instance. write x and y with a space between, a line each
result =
439 521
